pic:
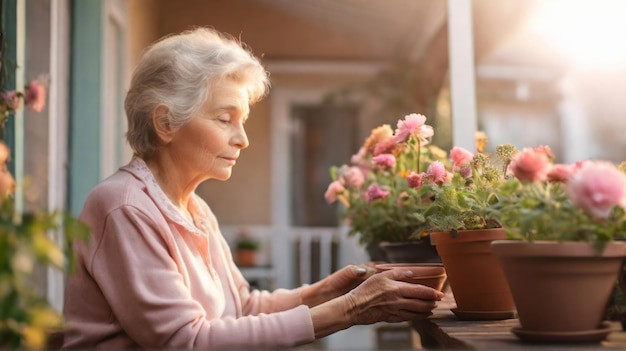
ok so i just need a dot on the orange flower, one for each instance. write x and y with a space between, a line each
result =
378 135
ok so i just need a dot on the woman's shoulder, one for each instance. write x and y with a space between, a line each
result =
121 188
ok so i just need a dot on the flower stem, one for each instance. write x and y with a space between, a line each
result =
419 149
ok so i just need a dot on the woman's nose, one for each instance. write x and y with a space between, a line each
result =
241 138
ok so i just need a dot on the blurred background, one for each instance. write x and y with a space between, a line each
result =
525 72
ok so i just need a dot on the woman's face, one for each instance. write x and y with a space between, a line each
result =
209 144
7 182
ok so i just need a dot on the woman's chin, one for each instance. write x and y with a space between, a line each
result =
223 176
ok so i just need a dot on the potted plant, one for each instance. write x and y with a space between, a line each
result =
401 189
380 203
246 248
462 229
562 261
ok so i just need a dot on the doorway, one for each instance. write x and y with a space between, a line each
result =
322 135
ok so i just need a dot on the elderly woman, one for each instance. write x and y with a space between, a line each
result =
156 272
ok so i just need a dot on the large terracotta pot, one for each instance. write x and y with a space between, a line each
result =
474 274
560 289
410 252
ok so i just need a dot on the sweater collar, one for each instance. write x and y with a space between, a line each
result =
139 169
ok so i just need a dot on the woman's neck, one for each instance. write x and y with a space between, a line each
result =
172 180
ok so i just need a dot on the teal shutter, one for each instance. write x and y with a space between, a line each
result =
86 100
14 24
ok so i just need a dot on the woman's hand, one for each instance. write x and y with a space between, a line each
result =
384 297
391 297
348 278
336 284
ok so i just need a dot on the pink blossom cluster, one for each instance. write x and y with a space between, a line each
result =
34 96
347 178
594 186
381 145
436 173
413 124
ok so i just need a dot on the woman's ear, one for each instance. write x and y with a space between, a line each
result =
161 124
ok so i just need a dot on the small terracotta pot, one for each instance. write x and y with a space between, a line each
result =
432 275
478 284
245 258
560 287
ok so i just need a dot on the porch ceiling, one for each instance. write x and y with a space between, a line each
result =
356 30
399 28
404 29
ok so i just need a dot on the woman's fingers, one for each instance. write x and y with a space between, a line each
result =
385 297
408 288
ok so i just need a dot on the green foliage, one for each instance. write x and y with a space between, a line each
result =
26 317
462 204
246 243
544 211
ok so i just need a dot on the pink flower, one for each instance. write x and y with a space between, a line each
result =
531 165
11 99
597 188
375 192
580 164
437 173
385 146
413 124
460 156
466 172
546 150
352 177
385 161
560 173
359 157
334 189
415 180
35 96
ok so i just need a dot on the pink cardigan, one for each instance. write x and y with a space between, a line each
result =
148 278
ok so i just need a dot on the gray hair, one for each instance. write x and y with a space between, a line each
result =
179 71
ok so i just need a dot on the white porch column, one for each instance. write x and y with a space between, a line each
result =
462 81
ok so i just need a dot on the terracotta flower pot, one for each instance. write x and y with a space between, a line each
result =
429 274
474 274
410 252
245 257
560 289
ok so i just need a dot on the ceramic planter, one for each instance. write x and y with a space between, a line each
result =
410 252
245 257
560 289
474 274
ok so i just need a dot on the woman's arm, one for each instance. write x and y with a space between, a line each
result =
135 266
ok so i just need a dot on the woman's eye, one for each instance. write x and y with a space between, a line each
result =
224 118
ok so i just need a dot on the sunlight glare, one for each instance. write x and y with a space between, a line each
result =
590 33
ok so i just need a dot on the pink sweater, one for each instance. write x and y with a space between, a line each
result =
148 278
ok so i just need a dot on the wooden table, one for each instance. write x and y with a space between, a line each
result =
444 330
